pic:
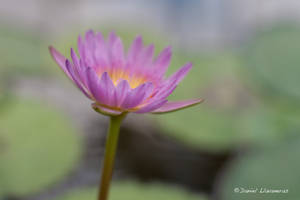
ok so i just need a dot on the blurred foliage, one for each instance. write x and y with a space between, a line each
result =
135 191
200 127
22 52
37 147
264 126
276 167
270 66
272 63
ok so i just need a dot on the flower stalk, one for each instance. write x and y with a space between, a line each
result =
109 156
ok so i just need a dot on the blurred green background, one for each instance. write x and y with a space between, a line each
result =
247 68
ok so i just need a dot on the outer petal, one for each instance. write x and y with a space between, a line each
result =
79 67
75 58
166 92
171 83
180 74
177 105
94 85
105 111
60 60
152 106
76 79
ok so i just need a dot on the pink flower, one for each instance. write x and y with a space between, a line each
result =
117 82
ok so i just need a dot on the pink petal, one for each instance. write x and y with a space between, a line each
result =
105 111
90 46
117 53
81 48
152 106
171 83
146 56
180 74
60 60
74 58
135 49
76 80
94 85
177 105
102 89
81 70
121 92
90 39
112 38
164 93
101 52
163 60
137 95
108 88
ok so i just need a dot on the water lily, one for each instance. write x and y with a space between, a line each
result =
120 83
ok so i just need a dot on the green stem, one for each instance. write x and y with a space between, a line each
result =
109 157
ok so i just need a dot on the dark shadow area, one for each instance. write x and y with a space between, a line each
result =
149 155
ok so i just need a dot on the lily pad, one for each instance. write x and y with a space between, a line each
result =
265 126
268 173
38 147
200 127
272 62
135 191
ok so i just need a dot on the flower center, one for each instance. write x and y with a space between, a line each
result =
117 75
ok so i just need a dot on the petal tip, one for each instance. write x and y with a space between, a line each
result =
169 48
53 51
177 105
90 32
50 47
139 39
188 65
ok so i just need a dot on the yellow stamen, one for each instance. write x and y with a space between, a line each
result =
117 75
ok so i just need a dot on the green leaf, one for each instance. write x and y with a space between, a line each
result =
135 191
272 62
200 126
266 126
37 148
272 168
